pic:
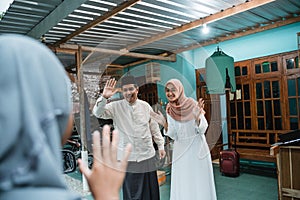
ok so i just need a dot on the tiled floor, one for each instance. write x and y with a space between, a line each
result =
249 185
259 184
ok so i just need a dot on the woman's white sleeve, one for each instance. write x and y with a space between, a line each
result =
172 133
203 124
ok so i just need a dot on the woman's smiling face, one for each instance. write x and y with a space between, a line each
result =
171 92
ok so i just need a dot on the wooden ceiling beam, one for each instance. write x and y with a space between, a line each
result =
62 50
242 33
115 66
98 20
171 57
206 20
137 63
143 61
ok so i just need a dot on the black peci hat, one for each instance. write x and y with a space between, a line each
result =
128 80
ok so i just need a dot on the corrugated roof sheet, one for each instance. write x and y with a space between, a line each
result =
151 26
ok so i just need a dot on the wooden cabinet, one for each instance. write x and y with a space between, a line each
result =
266 103
292 89
288 161
269 103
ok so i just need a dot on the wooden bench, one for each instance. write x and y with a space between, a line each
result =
256 154
255 144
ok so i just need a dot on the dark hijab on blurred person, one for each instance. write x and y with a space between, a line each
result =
35 110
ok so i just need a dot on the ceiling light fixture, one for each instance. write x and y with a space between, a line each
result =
205 29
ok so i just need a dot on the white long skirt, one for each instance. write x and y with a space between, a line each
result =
192 175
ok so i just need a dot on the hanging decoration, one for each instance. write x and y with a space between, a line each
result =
220 73
152 72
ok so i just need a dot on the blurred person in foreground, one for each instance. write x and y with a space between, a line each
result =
35 120
131 117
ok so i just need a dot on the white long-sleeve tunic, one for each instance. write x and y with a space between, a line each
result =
192 172
134 125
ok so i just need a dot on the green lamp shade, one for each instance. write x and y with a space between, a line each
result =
216 66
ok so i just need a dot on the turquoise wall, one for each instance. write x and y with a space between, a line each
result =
182 69
260 44
265 43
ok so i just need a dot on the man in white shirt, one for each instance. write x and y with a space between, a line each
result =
131 117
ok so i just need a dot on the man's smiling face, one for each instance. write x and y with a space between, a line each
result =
130 92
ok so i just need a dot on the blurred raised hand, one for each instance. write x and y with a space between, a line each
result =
107 174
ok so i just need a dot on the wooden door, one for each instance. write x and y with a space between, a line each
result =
292 90
213 115
148 92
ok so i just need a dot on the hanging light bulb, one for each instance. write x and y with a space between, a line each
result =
205 29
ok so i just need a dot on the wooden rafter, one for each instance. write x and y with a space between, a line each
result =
143 61
206 20
70 47
241 34
115 66
62 50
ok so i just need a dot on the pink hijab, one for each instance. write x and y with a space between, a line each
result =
184 108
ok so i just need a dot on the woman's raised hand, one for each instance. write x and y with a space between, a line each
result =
201 105
199 110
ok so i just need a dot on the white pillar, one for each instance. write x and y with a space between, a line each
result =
224 120
84 157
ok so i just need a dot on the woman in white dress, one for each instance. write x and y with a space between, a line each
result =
192 172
